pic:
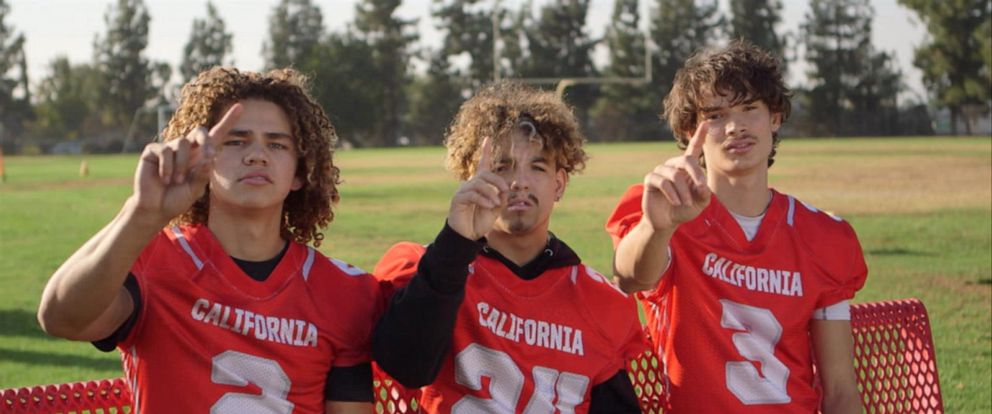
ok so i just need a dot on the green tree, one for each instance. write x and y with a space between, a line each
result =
852 85
679 28
14 92
209 44
755 20
559 47
296 28
434 100
119 57
623 111
66 101
468 30
390 39
343 84
955 58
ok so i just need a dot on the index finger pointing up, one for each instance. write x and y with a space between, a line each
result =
695 147
223 126
485 156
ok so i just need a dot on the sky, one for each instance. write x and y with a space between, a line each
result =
67 28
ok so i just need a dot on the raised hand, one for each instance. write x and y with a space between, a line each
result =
172 176
676 192
478 201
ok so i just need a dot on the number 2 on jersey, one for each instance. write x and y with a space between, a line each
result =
236 368
757 343
506 382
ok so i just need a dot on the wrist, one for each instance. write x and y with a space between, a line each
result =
134 216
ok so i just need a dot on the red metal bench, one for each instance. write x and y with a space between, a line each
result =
893 348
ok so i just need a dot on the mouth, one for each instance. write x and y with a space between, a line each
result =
520 202
257 178
740 145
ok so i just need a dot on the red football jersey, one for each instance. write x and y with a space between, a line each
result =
535 346
731 317
211 339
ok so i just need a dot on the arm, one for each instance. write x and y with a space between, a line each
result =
674 193
85 298
833 346
414 335
616 395
347 407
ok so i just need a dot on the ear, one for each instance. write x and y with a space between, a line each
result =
776 121
561 181
297 183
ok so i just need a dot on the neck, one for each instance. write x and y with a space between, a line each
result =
746 195
518 248
247 236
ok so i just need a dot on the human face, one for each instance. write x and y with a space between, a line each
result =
255 167
535 185
739 137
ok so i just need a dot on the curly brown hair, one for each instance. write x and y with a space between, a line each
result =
497 109
206 98
741 71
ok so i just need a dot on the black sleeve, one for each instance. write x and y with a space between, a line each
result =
352 383
109 343
616 395
413 336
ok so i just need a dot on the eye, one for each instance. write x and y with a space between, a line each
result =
234 142
278 146
713 116
750 107
500 168
540 167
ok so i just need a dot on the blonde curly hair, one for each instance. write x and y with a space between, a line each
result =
502 106
205 99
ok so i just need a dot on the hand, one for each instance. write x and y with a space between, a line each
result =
172 176
676 191
478 201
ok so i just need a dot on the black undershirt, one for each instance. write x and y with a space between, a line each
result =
351 383
414 335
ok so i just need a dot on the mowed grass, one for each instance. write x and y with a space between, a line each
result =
922 208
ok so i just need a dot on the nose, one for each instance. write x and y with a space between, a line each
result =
256 155
520 180
734 125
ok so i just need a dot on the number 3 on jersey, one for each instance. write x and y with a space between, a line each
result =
757 343
506 382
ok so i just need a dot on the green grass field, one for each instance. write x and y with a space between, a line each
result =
922 208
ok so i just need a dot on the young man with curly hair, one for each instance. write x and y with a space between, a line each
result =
204 280
498 315
745 288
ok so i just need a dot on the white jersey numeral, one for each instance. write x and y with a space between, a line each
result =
757 344
506 382
240 369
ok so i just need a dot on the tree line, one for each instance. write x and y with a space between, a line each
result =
365 78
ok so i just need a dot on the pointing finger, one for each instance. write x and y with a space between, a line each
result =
695 147
485 157
223 127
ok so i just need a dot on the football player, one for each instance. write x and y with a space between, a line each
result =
205 281
498 315
745 288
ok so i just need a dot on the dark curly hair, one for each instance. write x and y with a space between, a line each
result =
206 98
502 106
741 71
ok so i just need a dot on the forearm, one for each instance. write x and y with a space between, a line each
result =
641 257
87 283
414 335
842 402
833 346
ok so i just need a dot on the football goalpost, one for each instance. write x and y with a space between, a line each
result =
562 83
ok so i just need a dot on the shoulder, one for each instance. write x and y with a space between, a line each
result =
819 229
399 263
318 267
626 214
614 310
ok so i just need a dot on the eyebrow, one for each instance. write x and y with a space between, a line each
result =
269 135
717 108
